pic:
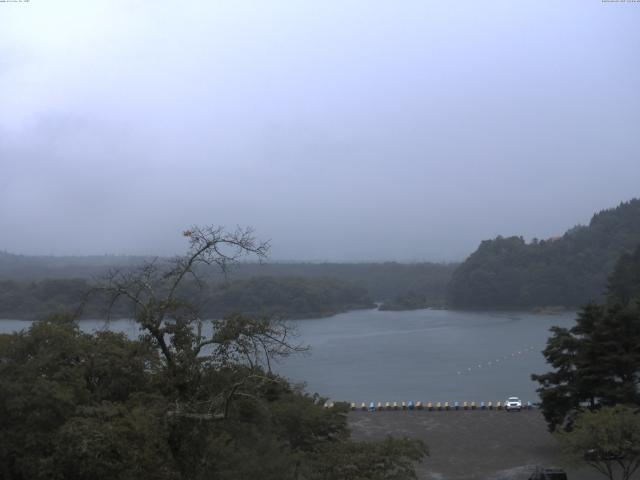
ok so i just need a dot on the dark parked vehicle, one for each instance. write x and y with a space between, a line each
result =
594 455
548 474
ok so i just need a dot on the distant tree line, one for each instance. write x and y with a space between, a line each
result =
285 297
570 270
384 281
36 268
413 300
31 287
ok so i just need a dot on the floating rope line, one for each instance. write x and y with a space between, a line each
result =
491 363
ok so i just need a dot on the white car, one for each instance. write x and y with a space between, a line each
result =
513 403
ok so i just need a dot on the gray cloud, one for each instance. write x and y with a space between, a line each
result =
340 130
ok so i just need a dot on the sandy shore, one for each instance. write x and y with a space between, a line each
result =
472 445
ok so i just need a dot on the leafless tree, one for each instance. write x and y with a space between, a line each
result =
236 343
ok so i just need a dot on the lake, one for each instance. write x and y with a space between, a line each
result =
426 355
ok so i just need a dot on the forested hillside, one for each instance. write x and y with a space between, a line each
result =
570 270
34 286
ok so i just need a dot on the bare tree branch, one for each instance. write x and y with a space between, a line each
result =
236 343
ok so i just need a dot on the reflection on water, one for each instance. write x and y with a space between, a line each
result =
427 355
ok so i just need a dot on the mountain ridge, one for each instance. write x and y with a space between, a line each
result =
507 272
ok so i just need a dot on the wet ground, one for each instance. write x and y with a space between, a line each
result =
472 445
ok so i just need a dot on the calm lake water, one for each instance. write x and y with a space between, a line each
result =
426 355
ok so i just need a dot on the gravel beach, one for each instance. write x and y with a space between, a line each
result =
472 445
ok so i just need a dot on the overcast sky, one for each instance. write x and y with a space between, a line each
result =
340 130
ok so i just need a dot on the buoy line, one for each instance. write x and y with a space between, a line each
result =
430 406
490 363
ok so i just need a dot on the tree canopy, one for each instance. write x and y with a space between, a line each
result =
608 440
597 361
176 403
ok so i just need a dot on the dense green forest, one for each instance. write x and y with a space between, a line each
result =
383 281
413 300
31 287
597 361
569 271
174 404
101 406
286 297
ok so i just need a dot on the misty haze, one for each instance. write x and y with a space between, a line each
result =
319 240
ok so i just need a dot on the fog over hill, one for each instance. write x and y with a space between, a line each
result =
341 133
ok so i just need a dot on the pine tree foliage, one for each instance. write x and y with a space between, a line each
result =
597 361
